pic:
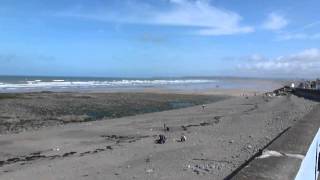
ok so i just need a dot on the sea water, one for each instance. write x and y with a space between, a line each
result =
41 83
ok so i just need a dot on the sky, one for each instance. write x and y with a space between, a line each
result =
150 38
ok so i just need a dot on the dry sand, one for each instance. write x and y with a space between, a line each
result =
219 138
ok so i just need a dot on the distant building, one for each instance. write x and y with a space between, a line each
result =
308 85
313 85
301 85
292 85
305 85
317 86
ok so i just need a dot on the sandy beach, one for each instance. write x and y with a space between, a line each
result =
219 137
159 90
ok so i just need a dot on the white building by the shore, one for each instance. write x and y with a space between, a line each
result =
318 84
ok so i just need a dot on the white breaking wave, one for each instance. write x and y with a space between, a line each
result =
113 83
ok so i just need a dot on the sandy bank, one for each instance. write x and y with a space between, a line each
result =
219 139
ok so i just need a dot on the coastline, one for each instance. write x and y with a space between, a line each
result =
21 84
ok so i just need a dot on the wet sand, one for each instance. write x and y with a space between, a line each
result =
219 138
31 111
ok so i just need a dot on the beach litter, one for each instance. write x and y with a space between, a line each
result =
162 139
165 127
149 171
182 139
184 128
200 169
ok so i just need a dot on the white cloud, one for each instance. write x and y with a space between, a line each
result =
205 18
301 33
212 20
299 36
275 21
310 25
256 58
305 63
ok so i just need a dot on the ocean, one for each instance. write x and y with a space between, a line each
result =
58 84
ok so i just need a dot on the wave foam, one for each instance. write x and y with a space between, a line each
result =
112 83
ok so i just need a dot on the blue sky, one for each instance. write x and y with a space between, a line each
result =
143 38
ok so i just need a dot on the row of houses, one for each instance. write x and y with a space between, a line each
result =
308 85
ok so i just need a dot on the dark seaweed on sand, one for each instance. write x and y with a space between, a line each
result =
36 110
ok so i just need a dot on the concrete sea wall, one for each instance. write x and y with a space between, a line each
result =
307 93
